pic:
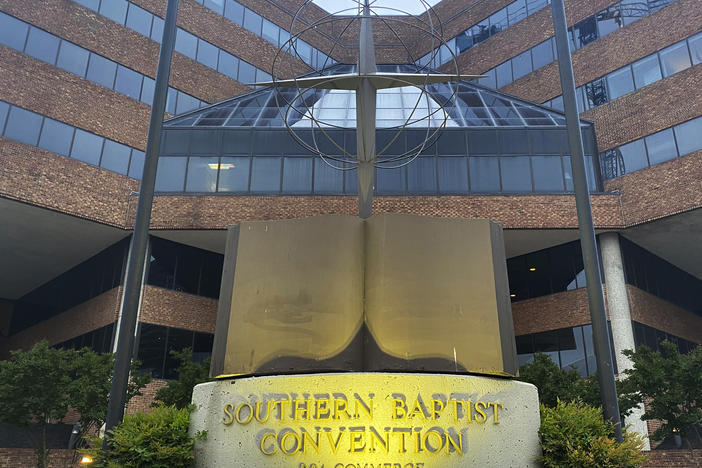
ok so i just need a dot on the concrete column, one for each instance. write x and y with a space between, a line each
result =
620 317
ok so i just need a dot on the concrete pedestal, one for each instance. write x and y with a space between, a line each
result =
366 420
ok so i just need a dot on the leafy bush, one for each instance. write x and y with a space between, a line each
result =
179 392
576 434
156 440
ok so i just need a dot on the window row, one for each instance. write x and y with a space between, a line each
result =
545 272
424 175
653 149
255 23
588 30
89 279
99 340
72 58
184 268
651 338
147 24
654 275
34 129
155 343
669 61
479 32
568 347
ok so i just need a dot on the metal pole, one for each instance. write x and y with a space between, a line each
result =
595 295
140 239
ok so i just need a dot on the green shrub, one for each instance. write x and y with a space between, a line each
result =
179 392
156 440
576 435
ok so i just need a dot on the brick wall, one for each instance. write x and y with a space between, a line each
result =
560 310
178 309
662 315
672 459
20 458
142 404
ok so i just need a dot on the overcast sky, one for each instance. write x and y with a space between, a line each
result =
414 7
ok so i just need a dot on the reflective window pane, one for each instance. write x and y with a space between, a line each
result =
453 175
56 137
270 32
42 45
516 11
484 174
102 71
157 29
675 59
23 126
548 173
207 54
661 146
92 4
234 11
572 349
504 74
87 147
516 174
521 65
689 136
147 91
646 71
421 175
252 22
116 10
139 20
170 174
464 41
247 73
13 32
265 174
609 20
390 181
202 174
228 64
186 103
136 164
73 58
491 79
595 93
215 5
585 32
297 175
326 178
633 156
186 43
115 157
128 82
695 45
4 109
542 54
620 82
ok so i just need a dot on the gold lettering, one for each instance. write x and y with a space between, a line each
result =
295 448
229 418
399 410
494 409
383 442
340 406
298 408
456 444
418 409
271 450
428 446
322 410
367 407
357 439
335 445
456 404
313 442
401 431
258 412
469 411
479 409
437 406
249 417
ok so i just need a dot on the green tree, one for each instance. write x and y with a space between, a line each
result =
554 383
179 392
37 387
575 434
672 384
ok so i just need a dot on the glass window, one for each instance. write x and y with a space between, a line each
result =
136 164
186 103
326 178
139 20
525 349
228 64
674 59
516 174
390 180
481 31
171 99
453 175
633 10
548 173
234 11
102 71
661 146
252 22
186 43
152 348
547 343
557 103
211 278
620 82
421 175
535 5
128 82
595 93
147 91
202 344
247 73
609 20
215 5
4 108
516 11
464 41
13 32
170 174
115 157
270 32
504 74
542 54
695 44
585 32
633 156
572 349
521 65
498 21
87 147
178 340
157 29
202 174
297 175
73 58
56 137
490 79
646 71
42 45
689 136
92 4
23 126
484 174
207 54
116 10
589 350
265 174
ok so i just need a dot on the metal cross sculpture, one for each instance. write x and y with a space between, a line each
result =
365 82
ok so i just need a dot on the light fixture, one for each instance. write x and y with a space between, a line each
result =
86 460
512 295
225 166
532 269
